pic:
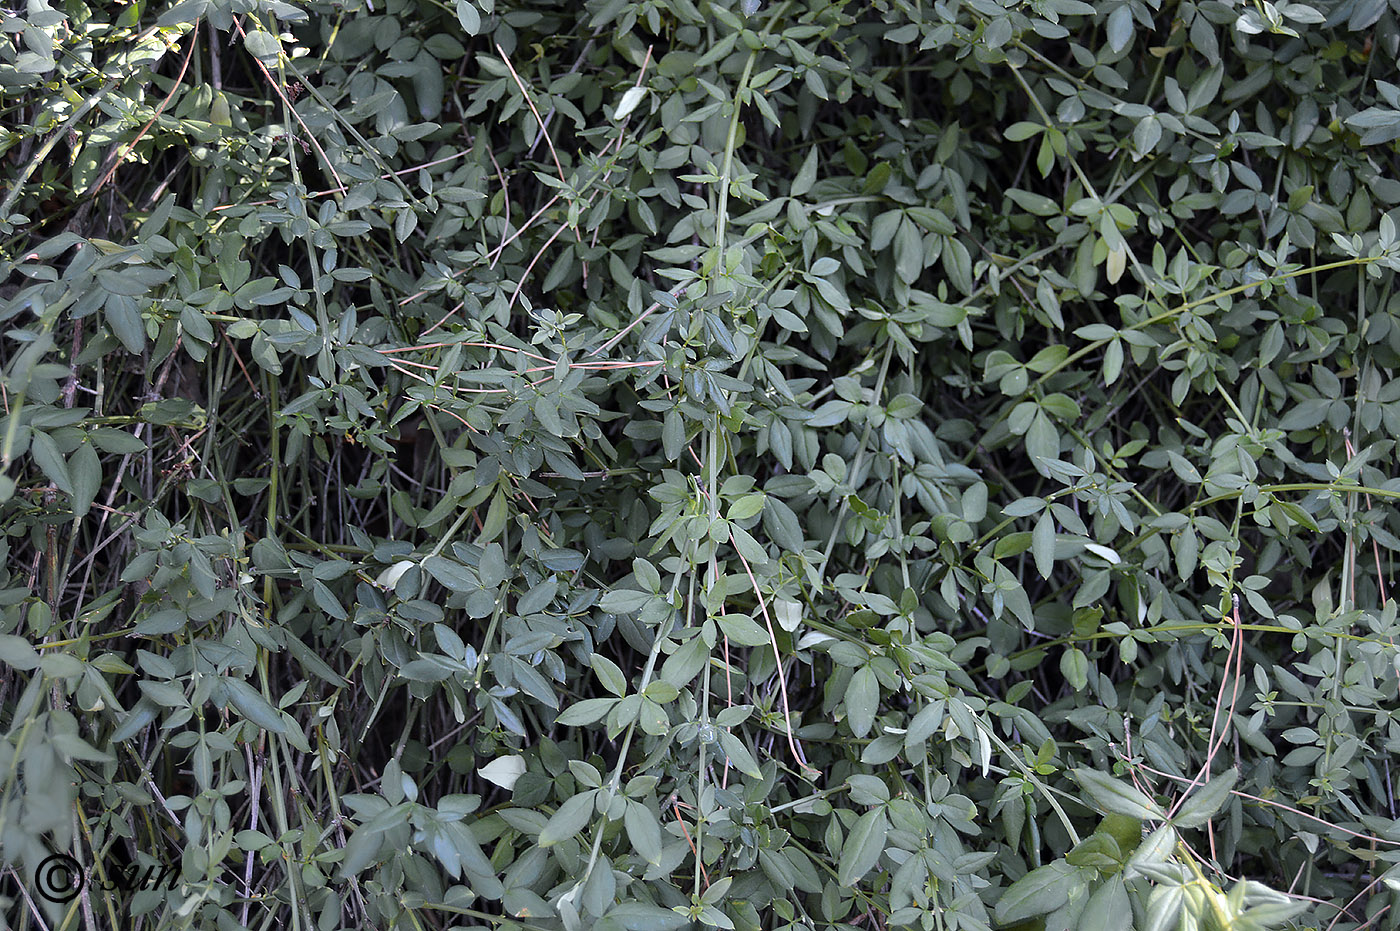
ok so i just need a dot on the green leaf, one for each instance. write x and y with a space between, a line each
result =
1098 850
862 699
1203 803
186 11
863 847
957 262
685 664
640 916
261 45
738 754
111 440
1120 27
743 630
360 851
1039 892
924 725
630 99
908 252
1155 858
1042 440
124 318
1114 795
1108 908
1043 544
644 831
50 461
623 601
1020 132
1146 135
1164 906
495 521
882 231
585 712
746 507
253 706
673 434
607 672
1074 666
832 295
468 16
449 574
17 652
571 818
1112 361
806 175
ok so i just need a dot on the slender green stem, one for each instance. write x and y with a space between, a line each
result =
1191 305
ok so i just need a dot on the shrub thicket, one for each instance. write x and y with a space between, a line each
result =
640 464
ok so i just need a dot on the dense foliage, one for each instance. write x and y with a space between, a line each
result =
644 464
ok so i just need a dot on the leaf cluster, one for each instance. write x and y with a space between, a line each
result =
658 464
